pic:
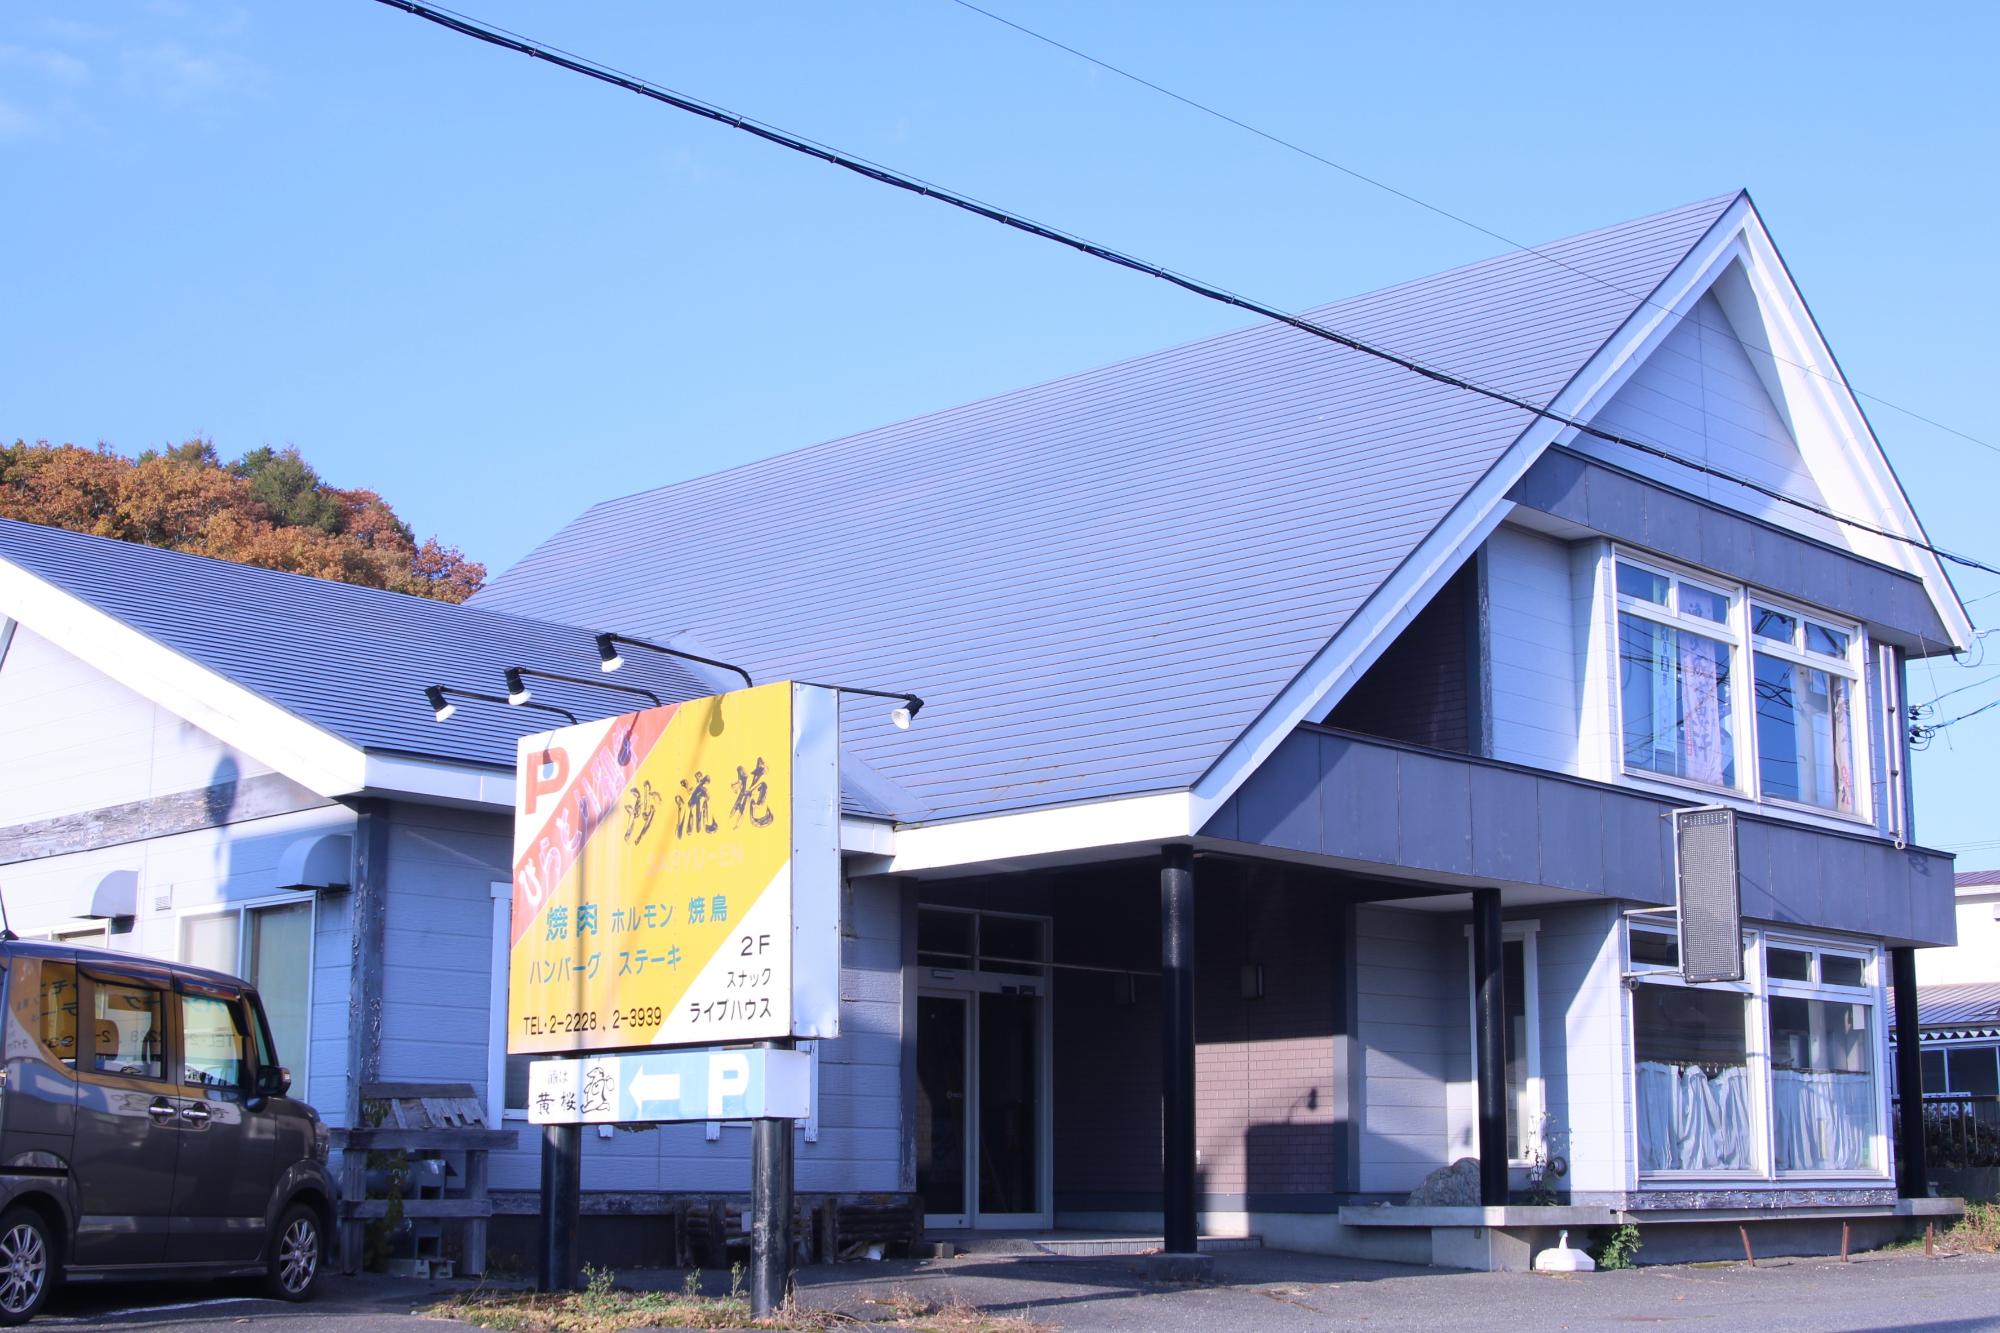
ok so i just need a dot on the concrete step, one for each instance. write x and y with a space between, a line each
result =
1084 1246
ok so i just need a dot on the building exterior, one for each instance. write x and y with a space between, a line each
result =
1274 695
1958 995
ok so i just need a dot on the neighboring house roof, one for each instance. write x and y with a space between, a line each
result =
1098 584
1970 1009
353 661
1977 879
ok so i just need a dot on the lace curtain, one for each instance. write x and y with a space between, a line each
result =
1823 1120
1693 1118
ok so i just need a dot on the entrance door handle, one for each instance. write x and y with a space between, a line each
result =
195 1115
161 1110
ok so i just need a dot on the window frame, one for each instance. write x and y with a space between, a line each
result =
1758 986
1986 1046
237 1005
1534 1091
1756 1056
300 1071
1851 665
1728 631
1739 634
90 977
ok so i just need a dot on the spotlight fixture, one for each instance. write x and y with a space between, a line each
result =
435 696
899 717
608 657
517 688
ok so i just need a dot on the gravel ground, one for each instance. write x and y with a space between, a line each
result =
1271 1289
1254 1289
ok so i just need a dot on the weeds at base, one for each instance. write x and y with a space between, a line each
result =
602 1308
1978 1232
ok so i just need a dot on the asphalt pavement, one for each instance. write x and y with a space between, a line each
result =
1254 1289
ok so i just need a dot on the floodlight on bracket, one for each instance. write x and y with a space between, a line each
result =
439 696
901 717
610 659
518 692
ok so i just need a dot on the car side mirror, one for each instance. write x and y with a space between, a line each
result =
273 1081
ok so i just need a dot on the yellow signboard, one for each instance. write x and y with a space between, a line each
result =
676 876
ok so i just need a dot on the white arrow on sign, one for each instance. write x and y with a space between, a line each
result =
655 1088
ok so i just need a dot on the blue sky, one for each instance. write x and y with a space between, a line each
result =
498 293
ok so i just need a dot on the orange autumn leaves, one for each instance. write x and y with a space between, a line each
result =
267 508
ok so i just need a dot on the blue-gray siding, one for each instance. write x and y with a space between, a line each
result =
1404 1029
1633 509
1369 803
437 943
1699 395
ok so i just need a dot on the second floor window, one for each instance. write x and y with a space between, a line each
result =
1806 685
1676 656
1724 688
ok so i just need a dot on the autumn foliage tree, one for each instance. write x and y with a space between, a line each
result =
267 508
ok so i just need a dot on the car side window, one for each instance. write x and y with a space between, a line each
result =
214 1045
128 1030
44 1001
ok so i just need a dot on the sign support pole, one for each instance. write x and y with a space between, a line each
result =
562 1205
771 1210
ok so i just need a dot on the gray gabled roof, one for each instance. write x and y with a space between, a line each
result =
1099 583
354 661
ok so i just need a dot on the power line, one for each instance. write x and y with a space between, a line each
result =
1921 736
1923 709
1446 213
887 176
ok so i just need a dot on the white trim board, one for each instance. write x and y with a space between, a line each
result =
238 717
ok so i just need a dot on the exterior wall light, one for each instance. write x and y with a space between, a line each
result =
517 687
435 695
900 717
609 658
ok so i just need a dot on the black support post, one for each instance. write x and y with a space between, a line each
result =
1489 1012
1177 1048
770 1215
562 1205
1912 1170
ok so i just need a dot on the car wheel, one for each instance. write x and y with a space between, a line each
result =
27 1264
295 1254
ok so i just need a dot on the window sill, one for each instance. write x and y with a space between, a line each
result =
1660 785
1788 1181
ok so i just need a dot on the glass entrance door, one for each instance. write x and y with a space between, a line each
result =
944 1122
983 1107
1010 1103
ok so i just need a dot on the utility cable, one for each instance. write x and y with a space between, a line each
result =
1922 735
887 176
1446 213
1924 709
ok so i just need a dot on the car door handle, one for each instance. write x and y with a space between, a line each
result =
161 1110
195 1115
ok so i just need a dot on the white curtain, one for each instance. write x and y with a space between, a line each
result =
1691 1119
1823 1120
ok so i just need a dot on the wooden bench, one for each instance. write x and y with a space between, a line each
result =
426 1119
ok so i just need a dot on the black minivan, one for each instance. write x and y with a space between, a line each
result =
145 1130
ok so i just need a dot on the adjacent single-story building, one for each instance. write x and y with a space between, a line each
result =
1958 995
1289 798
